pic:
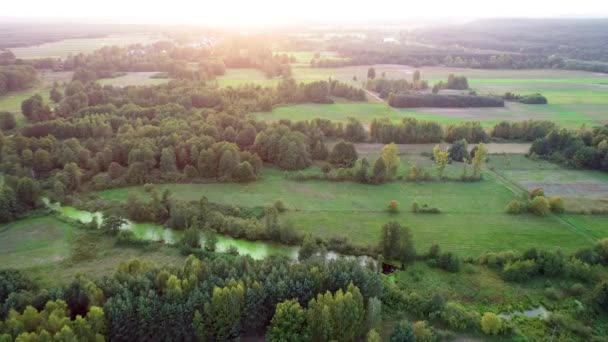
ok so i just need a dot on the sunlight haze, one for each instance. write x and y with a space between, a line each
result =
276 12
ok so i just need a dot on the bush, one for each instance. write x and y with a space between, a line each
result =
491 324
408 100
533 99
537 192
449 262
424 209
393 207
540 206
459 318
516 207
556 204
280 206
520 270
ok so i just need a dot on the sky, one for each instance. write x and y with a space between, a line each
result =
285 12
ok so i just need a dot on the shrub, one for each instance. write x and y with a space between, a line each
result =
232 250
577 289
520 270
556 204
539 206
449 262
125 237
459 318
515 207
280 206
393 207
537 192
552 293
491 324
423 332
148 187
424 209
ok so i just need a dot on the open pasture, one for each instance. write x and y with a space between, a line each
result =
66 47
473 218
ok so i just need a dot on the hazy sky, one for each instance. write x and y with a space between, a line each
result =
234 12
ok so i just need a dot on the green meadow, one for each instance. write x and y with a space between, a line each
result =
473 218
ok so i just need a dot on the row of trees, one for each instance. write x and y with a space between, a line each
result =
410 100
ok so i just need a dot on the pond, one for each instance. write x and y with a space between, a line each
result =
538 312
155 232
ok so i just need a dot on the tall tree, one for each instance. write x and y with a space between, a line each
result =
391 159
288 323
442 158
371 73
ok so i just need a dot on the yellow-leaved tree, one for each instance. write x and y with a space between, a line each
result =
442 158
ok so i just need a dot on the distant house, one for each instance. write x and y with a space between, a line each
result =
390 40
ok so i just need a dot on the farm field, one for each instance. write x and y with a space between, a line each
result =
473 219
575 97
134 79
63 48
488 117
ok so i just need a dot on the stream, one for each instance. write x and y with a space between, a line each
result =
154 232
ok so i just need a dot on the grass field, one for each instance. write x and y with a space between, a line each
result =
63 48
134 79
473 219
582 190
42 245
34 242
575 97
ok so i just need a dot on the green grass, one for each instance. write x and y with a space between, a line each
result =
34 242
134 78
42 246
63 48
366 112
473 218
340 111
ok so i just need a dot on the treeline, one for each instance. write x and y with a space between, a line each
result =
221 298
405 100
288 91
413 131
383 86
585 148
525 99
17 77
525 130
